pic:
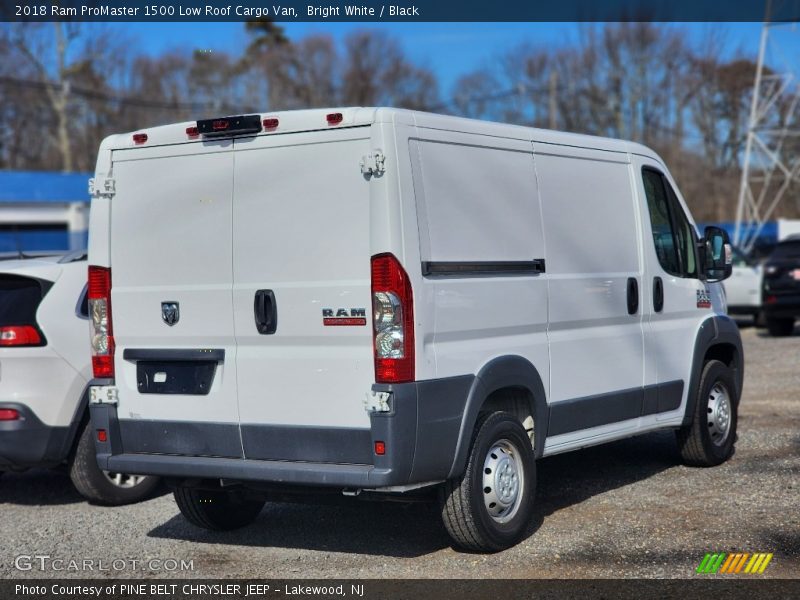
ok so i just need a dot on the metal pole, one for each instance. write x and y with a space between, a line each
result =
753 122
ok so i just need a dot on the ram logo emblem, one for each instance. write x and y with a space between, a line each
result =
354 317
170 313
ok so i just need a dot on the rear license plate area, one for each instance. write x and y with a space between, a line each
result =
193 378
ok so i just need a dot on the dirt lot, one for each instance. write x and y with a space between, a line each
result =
626 509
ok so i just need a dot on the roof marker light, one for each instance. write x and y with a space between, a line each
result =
334 118
139 138
192 132
270 123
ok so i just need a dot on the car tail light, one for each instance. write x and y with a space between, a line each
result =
102 435
392 321
20 335
9 414
380 448
102 330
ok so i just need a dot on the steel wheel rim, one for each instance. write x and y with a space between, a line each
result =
719 413
503 481
123 480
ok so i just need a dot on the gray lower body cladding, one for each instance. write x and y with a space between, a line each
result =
420 435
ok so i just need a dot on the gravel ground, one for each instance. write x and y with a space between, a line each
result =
626 509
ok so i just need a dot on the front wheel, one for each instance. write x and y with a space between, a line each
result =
217 510
709 439
489 507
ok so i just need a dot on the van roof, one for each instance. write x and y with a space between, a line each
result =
294 121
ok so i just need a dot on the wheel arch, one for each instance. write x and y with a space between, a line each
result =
506 382
717 339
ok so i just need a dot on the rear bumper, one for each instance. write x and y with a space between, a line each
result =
27 442
420 434
783 306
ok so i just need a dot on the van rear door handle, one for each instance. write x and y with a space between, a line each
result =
633 295
266 312
658 294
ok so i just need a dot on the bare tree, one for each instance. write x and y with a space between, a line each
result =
376 72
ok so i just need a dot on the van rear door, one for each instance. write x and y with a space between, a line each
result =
171 271
301 294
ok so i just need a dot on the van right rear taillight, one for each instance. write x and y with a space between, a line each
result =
100 314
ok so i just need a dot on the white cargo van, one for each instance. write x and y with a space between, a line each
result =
378 301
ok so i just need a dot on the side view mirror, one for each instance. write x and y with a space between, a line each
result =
717 254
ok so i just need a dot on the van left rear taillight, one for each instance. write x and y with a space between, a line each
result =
100 314
392 320
19 300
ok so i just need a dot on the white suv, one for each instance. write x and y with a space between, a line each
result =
45 368
377 301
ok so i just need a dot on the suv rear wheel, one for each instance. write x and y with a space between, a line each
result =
489 507
780 327
217 510
99 486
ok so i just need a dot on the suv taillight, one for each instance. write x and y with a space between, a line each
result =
19 335
392 321
100 313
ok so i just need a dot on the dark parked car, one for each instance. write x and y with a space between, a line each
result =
782 287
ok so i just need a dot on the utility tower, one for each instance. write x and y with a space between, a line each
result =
771 161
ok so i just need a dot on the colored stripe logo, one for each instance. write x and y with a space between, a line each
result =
733 563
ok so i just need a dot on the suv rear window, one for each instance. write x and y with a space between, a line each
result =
786 250
19 300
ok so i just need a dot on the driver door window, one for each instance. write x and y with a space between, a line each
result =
673 234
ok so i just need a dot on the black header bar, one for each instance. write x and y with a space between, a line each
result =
368 11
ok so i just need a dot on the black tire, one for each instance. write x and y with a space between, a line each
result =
780 327
217 510
701 443
464 511
96 486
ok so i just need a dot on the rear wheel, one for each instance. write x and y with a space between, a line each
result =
489 507
217 510
780 327
709 439
96 485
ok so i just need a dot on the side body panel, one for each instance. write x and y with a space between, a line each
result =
478 202
596 344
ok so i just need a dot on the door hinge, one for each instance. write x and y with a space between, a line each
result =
373 164
102 188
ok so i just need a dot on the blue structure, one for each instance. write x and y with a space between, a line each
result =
41 210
